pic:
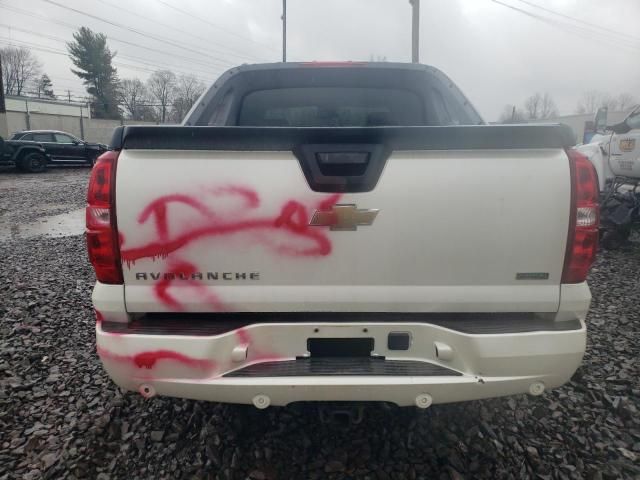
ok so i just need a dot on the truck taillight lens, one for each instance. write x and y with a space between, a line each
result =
582 241
102 233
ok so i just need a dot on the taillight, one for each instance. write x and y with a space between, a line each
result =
582 241
102 234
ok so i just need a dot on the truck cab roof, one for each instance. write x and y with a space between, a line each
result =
333 94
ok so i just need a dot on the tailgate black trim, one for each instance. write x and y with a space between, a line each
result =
209 324
463 137
344 366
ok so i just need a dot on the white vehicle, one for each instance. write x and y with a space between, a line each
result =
341 232
615 150
615 153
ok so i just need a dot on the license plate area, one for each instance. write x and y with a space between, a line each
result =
340 347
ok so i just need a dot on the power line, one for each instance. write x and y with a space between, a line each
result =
83 99
230 32
43 48
116 39
44 97
129 29
138 32
39 47
568 27
183 32
593 25
130 57
575 29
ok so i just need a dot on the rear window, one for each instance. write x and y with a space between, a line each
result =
61 138
331 107
42 137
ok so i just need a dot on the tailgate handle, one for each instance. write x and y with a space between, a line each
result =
340 164
342 167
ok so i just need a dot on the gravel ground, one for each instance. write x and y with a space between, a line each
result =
26 197
61 417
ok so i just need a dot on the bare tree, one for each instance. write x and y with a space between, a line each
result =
134 97
592 100
162 86
188 90
511 114
532 106
19 68
589 102
626 101
540 107
610 102
548 107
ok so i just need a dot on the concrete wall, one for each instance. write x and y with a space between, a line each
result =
41 105
100 130
95 129
65 123
4 132
15 122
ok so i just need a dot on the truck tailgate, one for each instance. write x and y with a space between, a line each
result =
456 231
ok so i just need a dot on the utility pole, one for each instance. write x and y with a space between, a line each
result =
415 30
27 114
69 95
4 130
284 30
81 124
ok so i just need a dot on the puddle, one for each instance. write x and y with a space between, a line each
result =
63 225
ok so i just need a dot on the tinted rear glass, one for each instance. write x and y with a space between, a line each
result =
43 137
61 138
331 107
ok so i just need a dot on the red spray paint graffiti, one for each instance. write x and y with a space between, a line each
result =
293 220
158 208
148 360
251 198
255 354
243 336
185 270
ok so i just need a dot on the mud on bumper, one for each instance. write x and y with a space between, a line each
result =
268 363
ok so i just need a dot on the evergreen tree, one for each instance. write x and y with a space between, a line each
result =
44 87
90 54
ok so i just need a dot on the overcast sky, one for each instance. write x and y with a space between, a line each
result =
497 55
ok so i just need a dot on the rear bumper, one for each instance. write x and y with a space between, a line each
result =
480 365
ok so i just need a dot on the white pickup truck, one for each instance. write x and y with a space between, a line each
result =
340 232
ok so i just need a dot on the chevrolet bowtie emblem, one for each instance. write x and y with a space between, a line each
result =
343 217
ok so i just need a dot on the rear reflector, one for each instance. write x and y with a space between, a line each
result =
582 241
102 234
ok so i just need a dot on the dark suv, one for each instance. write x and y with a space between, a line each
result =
25 156
62 147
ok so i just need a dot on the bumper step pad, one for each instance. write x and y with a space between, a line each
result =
342 366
